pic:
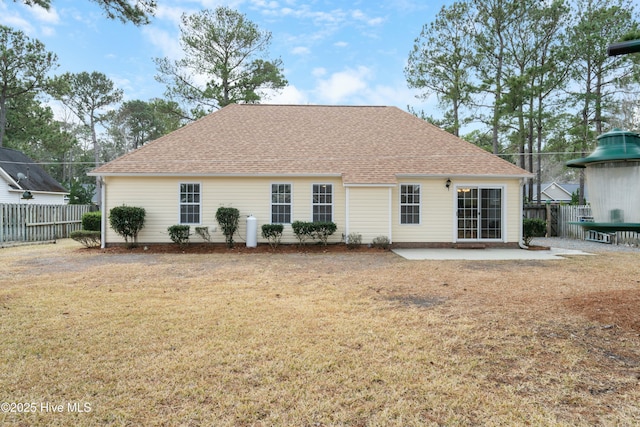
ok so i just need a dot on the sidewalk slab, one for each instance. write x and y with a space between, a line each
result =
487 254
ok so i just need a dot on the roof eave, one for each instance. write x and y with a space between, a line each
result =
464 176
210 175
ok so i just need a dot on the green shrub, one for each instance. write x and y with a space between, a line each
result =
179 233
302 230
127 221
91 221
273 233
313 230
322 230
89 238
354 240
228 219
204 233
381 242
533 227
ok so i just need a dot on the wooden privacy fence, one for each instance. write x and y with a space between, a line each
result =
548 213
37 223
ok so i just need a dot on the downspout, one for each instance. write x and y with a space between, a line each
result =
520 226
346 216
390 215
103 221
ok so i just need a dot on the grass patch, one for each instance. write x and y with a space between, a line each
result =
312 339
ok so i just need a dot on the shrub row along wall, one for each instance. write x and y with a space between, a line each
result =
38 223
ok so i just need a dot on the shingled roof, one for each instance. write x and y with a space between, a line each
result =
364 145
14 162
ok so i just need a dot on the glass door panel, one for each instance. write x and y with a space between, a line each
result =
491 213
479 213
467 213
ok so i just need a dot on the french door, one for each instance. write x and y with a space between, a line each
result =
479 213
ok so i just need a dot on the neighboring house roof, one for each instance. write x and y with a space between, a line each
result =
555 191
364 145
13 162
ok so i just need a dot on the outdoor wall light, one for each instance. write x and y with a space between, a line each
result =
448 184
27 195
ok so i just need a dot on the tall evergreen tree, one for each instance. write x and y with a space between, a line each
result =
24 64
225 48
87 95
441 59
598 78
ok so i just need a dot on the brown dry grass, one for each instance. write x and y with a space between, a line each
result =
345 338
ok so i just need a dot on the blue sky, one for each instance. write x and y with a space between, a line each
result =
334 52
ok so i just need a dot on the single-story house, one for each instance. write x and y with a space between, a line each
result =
21 177
555 192
375 171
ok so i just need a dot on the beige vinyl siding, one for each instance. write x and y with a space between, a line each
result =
513 200
438 221
436 208
251 196
369 212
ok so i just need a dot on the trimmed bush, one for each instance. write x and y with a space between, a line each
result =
89 238
91 221
204 233
302 230
533 227
313 230
354 240
179 233
273 233
381 242
228 219
127 221
322 230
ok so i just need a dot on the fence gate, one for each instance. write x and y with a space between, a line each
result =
22 222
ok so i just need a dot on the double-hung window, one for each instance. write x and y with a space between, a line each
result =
322 203
409 204
280 203
189 203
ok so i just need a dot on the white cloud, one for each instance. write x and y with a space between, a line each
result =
43 15
14 20
300 50
47 31
358 15
341 44
319 72
171 14
341 87
289 95
168 44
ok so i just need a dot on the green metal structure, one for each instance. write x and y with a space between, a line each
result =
624 48
621 150
616 145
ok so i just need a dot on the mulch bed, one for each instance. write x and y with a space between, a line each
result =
239 248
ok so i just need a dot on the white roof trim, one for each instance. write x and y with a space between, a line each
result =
53 193
218 175
441 175
8 178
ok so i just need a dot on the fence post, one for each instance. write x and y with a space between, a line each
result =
548 211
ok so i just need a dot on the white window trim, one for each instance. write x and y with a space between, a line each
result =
400 204
180 184
323 204
290 184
